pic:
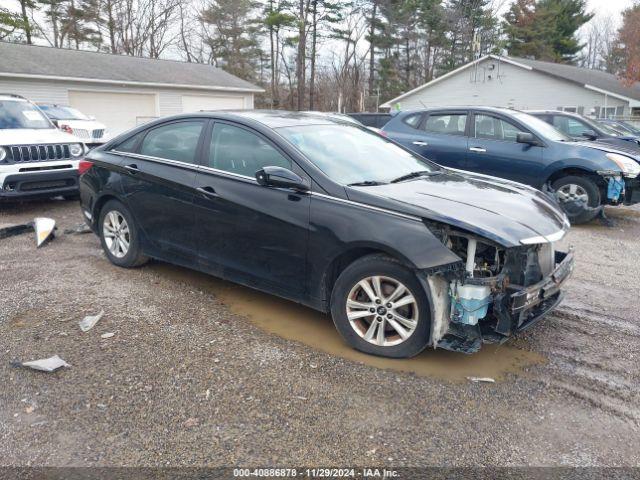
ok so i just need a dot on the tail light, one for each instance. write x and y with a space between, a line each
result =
83 166
66 128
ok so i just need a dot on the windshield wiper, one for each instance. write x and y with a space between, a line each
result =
366 183
411 175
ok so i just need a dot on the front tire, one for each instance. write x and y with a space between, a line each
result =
379 307
119 235
573 191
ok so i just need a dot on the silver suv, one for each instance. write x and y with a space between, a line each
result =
36 158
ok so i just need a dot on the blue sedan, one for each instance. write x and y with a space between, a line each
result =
517 146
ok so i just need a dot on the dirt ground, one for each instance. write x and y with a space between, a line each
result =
200 372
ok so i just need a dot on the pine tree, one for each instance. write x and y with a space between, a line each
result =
233 40
10 24
546 30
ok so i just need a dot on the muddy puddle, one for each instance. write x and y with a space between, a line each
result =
301 324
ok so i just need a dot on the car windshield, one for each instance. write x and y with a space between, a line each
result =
610 129
15 114
623 129
630 128
541 127
63 113
353 155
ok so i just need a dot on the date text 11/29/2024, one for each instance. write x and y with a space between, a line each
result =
316 472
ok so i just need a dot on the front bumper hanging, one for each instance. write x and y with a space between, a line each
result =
514 308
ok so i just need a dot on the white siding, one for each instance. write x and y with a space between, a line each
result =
509 86
168 100
36 91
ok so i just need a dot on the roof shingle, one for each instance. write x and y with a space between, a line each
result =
66 63
583 76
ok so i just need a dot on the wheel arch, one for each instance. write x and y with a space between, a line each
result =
574 170
349 255
100 202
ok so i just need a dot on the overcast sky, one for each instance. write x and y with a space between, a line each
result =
611 7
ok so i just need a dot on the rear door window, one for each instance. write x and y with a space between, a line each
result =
175 141
413 120
130 145
447 123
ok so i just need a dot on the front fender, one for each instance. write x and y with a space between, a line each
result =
339 226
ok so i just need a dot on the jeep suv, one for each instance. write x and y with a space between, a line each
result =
36 158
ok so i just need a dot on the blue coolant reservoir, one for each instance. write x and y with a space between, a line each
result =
469 303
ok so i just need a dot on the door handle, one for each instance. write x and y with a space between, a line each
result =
478 149
209 192
133 168
420 144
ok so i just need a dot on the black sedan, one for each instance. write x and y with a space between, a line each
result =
402 252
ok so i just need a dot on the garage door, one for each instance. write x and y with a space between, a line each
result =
118 111
195 103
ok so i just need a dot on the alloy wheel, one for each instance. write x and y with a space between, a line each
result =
572 193
382 311
116 233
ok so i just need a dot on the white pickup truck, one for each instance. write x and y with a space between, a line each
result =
36 158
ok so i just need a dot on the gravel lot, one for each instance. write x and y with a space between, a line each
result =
204 373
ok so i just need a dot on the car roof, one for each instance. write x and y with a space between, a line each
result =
462 107
10 96
555 112
280 118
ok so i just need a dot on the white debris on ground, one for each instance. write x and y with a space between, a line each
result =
44 228
88 322
481 379
50 364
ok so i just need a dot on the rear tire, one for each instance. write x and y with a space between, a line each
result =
399 325
571 190
119 235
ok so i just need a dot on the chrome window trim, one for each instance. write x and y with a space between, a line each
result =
225 173
175 163
554 237
245 178
178 163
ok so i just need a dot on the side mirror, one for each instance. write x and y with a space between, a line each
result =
527 138
590 134
281 178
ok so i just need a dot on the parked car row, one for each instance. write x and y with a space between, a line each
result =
437 231
40 147
525 148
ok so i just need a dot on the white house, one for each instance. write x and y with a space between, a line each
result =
526 84
120 91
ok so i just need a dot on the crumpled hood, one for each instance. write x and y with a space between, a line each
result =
30 136
503 211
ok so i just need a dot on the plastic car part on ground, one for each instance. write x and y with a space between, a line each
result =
88 322
50 364
43 226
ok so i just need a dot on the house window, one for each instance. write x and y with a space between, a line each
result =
569 109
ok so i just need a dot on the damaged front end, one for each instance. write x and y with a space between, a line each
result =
495 292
